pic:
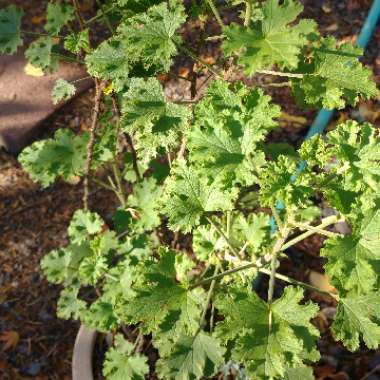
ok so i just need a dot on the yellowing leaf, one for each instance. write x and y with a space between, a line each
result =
10 339
33 71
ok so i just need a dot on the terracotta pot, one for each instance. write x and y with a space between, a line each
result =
82 356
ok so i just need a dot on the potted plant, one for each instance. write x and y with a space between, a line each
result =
206 201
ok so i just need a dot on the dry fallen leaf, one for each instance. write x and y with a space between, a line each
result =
29 69
321 281
10 339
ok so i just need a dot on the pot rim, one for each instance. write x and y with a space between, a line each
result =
82 354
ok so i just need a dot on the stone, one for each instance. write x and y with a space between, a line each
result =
25 100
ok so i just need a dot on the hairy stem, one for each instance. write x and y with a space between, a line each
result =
248 12
91 142
216 13
280 74
325 223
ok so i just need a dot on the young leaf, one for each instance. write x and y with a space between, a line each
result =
335 76
122 364
75 42
145 200
150 36
267 350
190 195
100 316
69 305
358 317
62 90
192 358
57 16
271 40
10 24
40 54
83 225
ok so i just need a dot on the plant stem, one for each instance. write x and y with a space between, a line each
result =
128 138
248 12
117 175
280 74
208 299
216 13
78 14
325 222
105 17
97 17
276 217
226 239
67 58
91 142
316 230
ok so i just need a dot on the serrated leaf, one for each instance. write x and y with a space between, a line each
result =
271 40
83 225
145 200
154 122
62 90
190 195
192 358
358 318
40 54
299 373
268 350
334 77
100 316
10 24
57 16
150 36
69 305
224 139
75 42
122 364
353 260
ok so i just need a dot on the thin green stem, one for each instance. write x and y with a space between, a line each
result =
216 13
276 217
67 58
315 229
248 12
38 34
280 74
117 175
78 14
105 17
221 233
101 15
325 223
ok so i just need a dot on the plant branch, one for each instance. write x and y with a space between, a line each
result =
316 229
216 13
325 223
248 12
78 14
101 15
128 138
91 142
105 17
280 74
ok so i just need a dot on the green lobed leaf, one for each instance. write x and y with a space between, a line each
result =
358 318
335 76
270 40
62 90
40 54
57 16
268 350
190 195
192 358
75 42
122 364
69 305
10 24
83 225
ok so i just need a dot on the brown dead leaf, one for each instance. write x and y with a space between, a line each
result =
293 118
321 281
38 20
10 339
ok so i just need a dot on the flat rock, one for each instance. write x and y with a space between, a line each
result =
25 100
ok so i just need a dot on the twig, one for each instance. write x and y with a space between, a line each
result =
79 15
128 139
280 74
91 142
216 13
248 12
